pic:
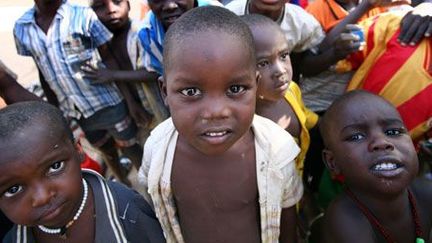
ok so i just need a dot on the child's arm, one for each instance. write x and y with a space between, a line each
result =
139 114
104 75
288 229
11 91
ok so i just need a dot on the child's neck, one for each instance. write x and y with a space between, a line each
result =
274 15
123 31
45 13
264 104
48 9
385 207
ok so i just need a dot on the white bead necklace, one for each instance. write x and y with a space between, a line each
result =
62 230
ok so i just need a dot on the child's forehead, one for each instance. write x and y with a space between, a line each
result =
364 108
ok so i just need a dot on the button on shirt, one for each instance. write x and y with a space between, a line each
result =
71 40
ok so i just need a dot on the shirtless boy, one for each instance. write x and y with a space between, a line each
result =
48 197
367 143
215 172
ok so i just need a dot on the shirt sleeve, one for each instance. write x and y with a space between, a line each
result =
18 36
99 33
144 171
293 186
311 31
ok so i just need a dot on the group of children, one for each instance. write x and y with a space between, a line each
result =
227 164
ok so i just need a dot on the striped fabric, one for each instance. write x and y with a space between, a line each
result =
402 75
72 40
108 226
152 36
329 13
148 92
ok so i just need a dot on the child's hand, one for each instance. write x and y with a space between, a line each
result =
97 75
416 25
348 42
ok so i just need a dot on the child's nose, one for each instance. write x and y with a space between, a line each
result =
279 68
216 109
170 4
41 195
381 142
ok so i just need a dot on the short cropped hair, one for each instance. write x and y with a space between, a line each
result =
258 20
15 117
328 116
203 20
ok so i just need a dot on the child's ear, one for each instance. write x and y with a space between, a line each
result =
258 76
328 158
80 151
163 89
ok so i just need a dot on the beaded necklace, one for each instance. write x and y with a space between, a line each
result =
374 221
62 230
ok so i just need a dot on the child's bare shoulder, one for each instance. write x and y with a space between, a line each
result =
344 222
422 189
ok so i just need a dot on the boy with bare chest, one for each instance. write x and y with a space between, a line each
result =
216 172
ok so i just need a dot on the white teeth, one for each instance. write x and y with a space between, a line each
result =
215 134
385 166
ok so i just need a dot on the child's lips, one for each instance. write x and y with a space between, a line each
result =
216 136
51 213
387 168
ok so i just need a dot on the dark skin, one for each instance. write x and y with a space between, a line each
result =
45 12
212 108
219 195
47 189
82 230
11 91
367 143
114 15
274 64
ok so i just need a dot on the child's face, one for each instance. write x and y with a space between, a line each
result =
210 89
273 63
168 11
40 179
370 146
268 5
114 14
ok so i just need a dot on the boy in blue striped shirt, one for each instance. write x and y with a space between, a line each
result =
62 38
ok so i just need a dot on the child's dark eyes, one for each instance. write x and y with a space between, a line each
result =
190 92
395 131
235 89
285 56
262 64
355 137
12 191
56 167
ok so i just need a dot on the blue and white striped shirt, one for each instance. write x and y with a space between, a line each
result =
71 40
152 36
